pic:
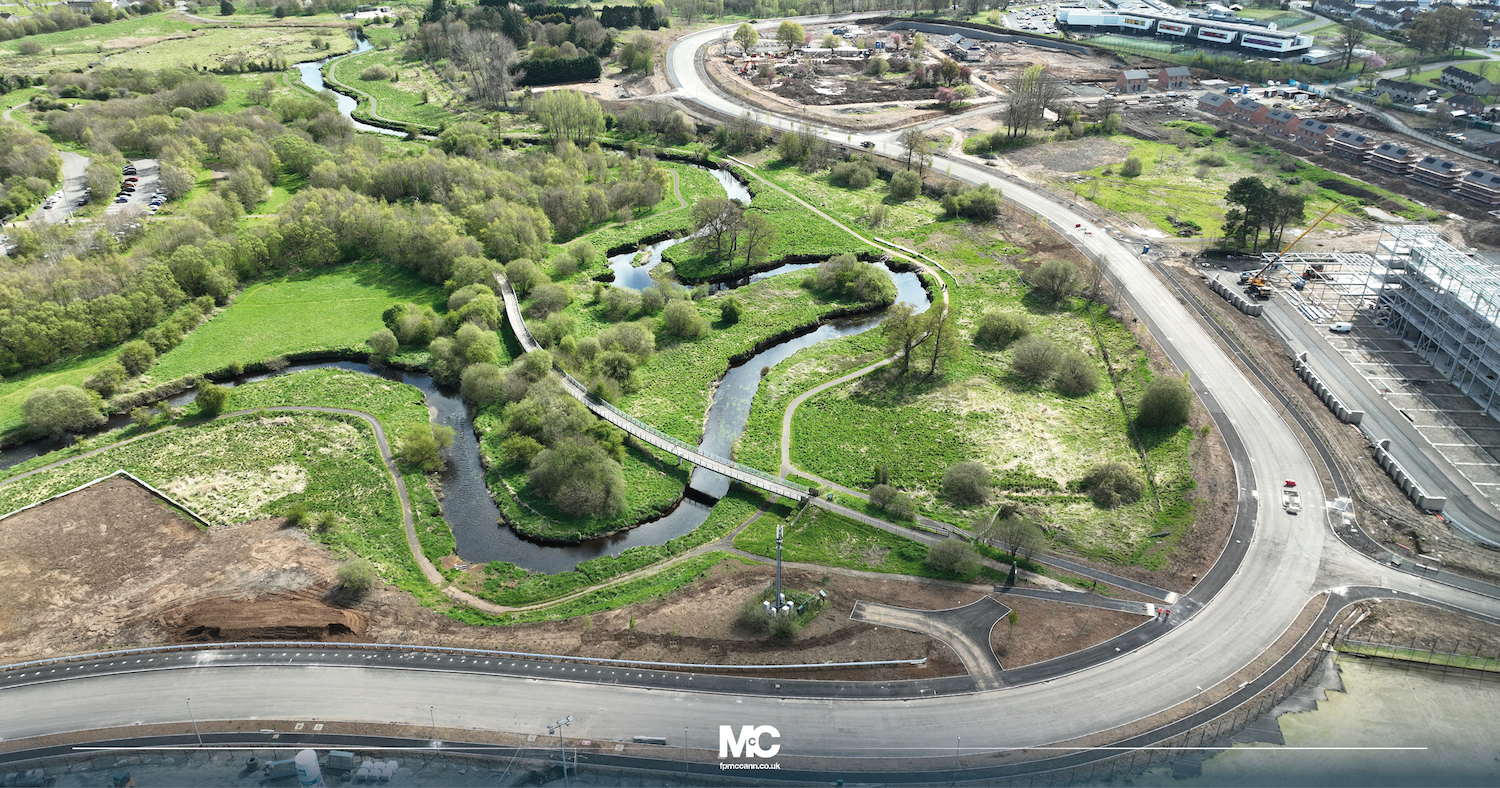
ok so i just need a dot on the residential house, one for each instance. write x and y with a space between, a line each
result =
1280 121
1351 145
1250 112
1378 20
1392 158
1464 81
1174 78
1473 105
1134 80
1335 8
1435 172
1216 103
1400 92
1481 187
1312 134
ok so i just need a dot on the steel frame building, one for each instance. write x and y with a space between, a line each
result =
1446 305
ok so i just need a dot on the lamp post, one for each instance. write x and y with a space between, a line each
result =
1199 699
195 722
557 729
684 754
432 717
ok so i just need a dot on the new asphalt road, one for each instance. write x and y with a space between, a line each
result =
1279 573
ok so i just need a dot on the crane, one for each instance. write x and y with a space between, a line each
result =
1257 280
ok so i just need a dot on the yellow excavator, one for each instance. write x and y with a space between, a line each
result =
1257 280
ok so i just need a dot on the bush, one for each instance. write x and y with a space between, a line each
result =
1055 280
358 575
980 204
1166 403
998 329
753 618
211 399
579 478
730 310
966 483
520 450
62 410
905 185
298 515
136 357
423 445
1035 359
375 73
107 380
681 319
1131 168
546 299
856 174
845 276
955 557
893 501
382 344
1113 483
481 384
1213 159
1076 375
620 303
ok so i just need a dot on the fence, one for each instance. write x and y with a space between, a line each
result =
1431 657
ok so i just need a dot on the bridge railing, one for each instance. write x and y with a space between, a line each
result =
689 451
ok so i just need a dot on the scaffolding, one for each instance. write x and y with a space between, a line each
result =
1346 282
1446 305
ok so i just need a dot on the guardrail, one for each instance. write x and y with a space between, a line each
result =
286 644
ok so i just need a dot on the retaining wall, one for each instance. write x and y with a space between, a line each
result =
1408 485
1235 297
1304 371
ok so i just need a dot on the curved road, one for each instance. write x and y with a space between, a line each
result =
1287 561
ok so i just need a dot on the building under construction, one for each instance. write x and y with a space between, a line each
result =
1446 305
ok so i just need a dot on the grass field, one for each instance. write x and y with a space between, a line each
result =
667 215
69 371
168 40
1177 183
852 206
238 87
398 101
641 589
333 308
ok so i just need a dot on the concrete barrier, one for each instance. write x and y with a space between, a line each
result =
1235 297
1408 485
1343 412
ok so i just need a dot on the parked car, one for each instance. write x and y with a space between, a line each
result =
1341 328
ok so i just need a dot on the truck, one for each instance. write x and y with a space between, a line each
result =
1291 501
275 770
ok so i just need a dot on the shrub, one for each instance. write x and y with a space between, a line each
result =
998 329
620 303
955 557
382 344
62 410
1131 168
481 384
136 357
548 298
893 501
856 174
753 618
1213 159
905 185
358 575
1035 359
1055 280
1076 374
980 204
107 380
730 310
423 445
1167 402
579 478
519 450
966 483
1113 483
211 399
524 275
681 319
845 276
375 73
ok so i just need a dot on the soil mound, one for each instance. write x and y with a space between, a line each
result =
281 617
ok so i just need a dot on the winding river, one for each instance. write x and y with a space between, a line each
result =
466 502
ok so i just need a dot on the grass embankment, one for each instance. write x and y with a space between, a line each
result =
323 309
69 371
1186 184
827 539
853 207
168 41
416 96
798 232
506 584
667 215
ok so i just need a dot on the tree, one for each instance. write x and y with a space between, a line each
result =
1076 374
966 483
917 150
61 410
482 384
487 56
357 576
905 185
1032 91
1166 402
953 556
757 233
716 224
383 345
1017 535
1113 483
790 34
1035 359
730 310
579 478
226 8
1445 28
1055 280
903 332
137 357
423 446
998 329
681 319
1254 212
893 501
107 380
745 36
211 399
942 335
1351 35
570 115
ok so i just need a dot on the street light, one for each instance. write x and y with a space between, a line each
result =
684 753
432 717
1200 698
195 722
557 729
